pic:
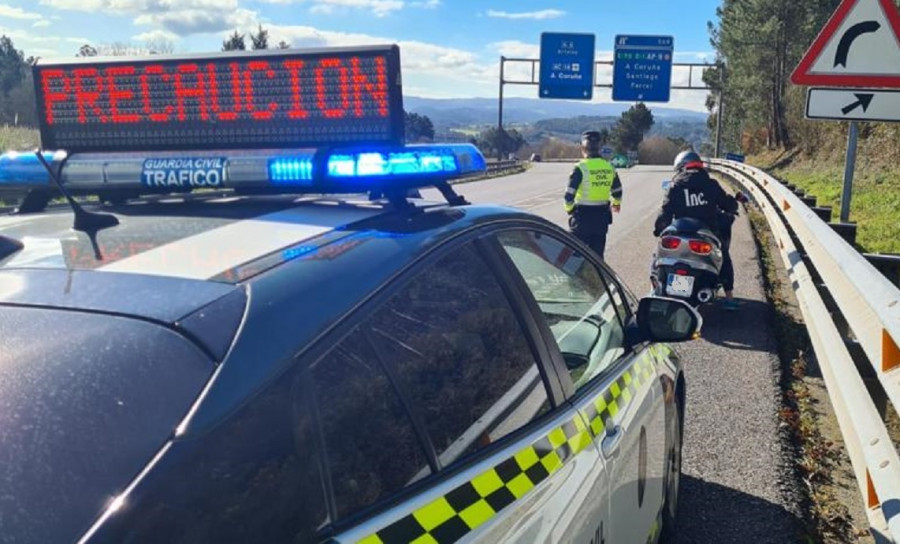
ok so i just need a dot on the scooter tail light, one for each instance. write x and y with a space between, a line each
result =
670 242
701 248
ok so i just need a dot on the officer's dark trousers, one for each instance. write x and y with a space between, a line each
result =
726 275
591 225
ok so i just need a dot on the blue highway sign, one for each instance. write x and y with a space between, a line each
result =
567 66
734 157
642 70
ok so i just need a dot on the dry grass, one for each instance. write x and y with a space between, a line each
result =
19 139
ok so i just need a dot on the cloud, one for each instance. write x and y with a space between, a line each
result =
42 45
184 22
379 8
426 4
540 15
516 49
179 17
11 12
419 59
41 24
155 36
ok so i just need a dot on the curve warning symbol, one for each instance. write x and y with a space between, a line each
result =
859 47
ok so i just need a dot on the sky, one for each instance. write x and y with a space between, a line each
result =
449 48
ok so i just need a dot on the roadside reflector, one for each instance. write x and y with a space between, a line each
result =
871 496
786 205
890 353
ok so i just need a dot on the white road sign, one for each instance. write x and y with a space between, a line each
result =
853 104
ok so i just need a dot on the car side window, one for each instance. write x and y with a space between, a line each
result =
371 446
461 356
572 294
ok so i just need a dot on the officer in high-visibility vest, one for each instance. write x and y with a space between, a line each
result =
594 193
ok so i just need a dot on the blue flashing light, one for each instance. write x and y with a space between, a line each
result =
291 171
407 162
24 169
296 252
342 166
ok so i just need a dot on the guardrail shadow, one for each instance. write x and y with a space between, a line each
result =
710 513
747 329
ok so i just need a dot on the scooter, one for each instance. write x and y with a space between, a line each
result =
687 263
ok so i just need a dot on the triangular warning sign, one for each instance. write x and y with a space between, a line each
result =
859 47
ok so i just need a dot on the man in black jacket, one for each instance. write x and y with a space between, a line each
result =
694 194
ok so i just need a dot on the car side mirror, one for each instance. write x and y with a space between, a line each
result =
667 320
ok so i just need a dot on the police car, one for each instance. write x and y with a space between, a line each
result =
227 341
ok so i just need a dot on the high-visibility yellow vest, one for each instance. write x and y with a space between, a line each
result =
597 177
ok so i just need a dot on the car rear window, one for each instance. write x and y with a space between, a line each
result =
86 401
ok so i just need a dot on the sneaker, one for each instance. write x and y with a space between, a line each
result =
731 305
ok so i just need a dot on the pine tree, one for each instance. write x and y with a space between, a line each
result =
260 40
235 42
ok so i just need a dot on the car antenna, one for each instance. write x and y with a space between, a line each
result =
87 222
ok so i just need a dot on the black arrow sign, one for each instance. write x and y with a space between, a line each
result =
855 31
863 100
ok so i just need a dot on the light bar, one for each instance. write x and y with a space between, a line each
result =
337 170
24 169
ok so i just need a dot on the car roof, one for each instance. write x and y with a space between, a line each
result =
196 249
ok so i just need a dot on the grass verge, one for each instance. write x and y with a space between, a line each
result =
876 191
17 138
817 458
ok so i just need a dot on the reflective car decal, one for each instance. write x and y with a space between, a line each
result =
472 504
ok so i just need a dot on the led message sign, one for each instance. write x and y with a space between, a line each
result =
255 99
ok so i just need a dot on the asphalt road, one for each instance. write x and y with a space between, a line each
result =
736 485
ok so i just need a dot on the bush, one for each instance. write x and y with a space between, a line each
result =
658 150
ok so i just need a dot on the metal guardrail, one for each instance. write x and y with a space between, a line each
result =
870 305
498 167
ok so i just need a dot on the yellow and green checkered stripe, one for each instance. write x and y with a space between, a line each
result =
602 410
472 504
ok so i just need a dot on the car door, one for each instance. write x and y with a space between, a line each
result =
503 456
616 391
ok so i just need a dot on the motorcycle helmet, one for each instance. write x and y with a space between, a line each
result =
688 160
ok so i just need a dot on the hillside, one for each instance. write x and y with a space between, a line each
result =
468 112
819 170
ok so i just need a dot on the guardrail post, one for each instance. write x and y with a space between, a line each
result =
824 213
809 201
847 231
889 265
870 378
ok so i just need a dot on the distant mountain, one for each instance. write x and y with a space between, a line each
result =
468 112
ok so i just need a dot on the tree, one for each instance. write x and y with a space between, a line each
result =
12 66
418 127
498 143
87 50
17 104
260 40
235 42
757 43
283 45
631 128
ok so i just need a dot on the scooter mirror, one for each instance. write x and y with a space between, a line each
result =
666 184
